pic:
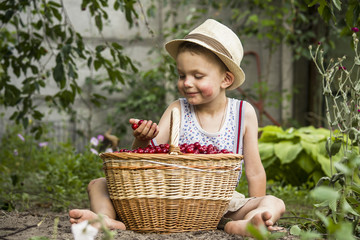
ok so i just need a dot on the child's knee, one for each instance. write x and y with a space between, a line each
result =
279 203
95 183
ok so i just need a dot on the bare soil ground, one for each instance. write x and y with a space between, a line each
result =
41 223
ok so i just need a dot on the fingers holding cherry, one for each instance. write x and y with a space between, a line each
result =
144 129
135 123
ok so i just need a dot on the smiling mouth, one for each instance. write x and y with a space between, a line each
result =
191 93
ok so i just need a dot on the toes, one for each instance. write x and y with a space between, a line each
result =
75 213
276 229
269 223
266 216
73 221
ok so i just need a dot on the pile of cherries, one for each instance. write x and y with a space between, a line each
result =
195 148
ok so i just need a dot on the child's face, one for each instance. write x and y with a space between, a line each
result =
200 76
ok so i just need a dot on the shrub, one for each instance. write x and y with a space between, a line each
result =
40 173
295 156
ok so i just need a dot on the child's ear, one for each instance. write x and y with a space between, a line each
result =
228 79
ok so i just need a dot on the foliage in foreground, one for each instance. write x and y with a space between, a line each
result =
37 173
339 194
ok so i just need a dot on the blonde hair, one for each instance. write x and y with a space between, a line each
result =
196 48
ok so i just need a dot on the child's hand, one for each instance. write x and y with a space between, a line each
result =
144 129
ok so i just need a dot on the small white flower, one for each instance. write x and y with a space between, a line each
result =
83 231
21 137
94 141
43 144
108 150
94 151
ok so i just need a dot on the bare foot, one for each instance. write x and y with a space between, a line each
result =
79 215
259 219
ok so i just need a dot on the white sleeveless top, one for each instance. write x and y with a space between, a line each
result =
230 135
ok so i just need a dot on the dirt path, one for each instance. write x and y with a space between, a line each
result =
24 225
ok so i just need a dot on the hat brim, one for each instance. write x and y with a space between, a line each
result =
239 75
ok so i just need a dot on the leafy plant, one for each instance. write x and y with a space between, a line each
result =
295 156
38 173
339 193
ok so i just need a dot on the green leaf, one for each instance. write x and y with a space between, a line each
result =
310 235
98 22
337 4
271 133
344 230
266 150
325 164
349 209
269 161
12 95
313 3
253 18
324 193
259 233
295 230
349 17
37 115
287 151
97 64
312 149
306 162
58 72
355 187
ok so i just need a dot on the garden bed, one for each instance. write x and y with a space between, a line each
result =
40 223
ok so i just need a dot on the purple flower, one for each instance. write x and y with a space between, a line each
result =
358 110
100 137
43 144
21 137
94 141
342 68
355 29
319 43
94 151
16 152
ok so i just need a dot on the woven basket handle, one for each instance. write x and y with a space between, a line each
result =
174 131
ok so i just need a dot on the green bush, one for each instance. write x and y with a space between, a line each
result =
295 156
40 173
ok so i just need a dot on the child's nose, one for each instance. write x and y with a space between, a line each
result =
188 82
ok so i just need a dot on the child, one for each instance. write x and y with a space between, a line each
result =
208 63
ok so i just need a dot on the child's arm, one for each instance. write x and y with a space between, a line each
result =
149 130
254 169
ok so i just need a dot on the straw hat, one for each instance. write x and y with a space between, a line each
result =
219 39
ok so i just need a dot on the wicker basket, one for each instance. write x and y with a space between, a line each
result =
174 192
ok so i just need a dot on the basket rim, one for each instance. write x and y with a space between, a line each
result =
170 157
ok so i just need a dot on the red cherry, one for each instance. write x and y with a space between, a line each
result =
134 126
190 150
224 151
140 122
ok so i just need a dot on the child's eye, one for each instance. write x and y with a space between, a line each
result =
181 76
198 76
